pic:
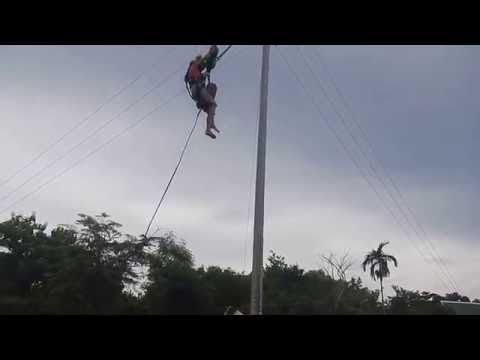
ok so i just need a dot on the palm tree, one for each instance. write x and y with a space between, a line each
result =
378 262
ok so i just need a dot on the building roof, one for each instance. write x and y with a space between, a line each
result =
463 308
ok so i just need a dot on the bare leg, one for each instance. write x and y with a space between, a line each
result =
207 98
210 121
212 116
212 91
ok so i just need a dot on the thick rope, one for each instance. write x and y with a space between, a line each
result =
173 174
223 53
181 155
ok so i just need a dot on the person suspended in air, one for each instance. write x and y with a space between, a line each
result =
197 76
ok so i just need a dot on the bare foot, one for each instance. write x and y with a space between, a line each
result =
209 133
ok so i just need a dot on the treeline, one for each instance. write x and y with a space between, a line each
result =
92 268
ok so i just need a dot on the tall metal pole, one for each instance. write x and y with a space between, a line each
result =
257 263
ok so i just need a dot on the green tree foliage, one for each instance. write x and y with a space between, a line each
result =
291 290
174 286
407 302
226 288
23 262
92 268
456 297
81 271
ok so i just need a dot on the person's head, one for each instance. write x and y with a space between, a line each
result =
197 59
213 49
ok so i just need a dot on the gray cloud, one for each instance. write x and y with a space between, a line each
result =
417 103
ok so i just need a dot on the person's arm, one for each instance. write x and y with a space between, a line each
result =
204 62
208 61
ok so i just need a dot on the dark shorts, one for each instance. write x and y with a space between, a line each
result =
204 96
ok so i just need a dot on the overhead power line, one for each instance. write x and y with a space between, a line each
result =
156 86
84 120
385 171
347 151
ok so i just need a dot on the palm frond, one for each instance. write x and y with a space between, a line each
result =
391 258
373 270
368 260
365 264
381 246
377 261
383 268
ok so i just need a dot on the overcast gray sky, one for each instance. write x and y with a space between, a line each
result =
417 104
